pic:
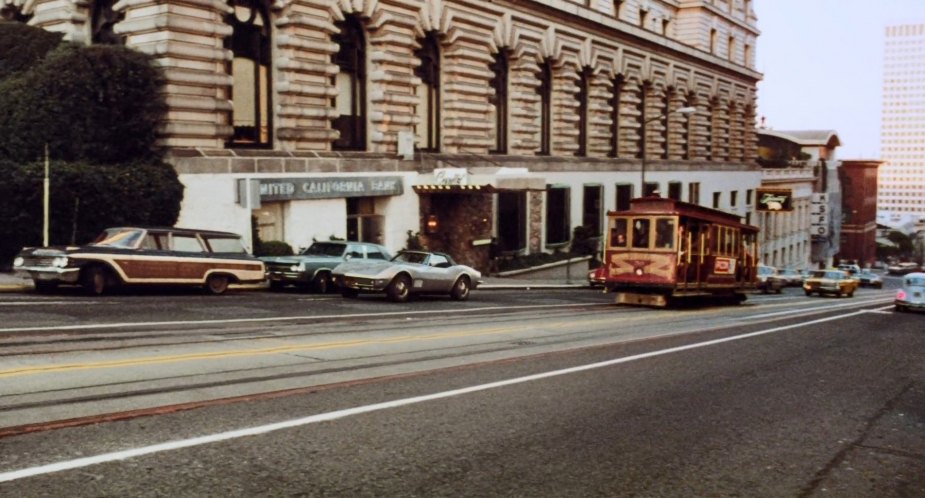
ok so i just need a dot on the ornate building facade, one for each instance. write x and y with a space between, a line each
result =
320 118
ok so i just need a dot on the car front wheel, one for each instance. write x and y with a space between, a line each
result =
93 280
461 288
400 289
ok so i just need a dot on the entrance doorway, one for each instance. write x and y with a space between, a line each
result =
512 221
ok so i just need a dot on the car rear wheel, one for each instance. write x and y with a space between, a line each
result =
276 285
348 292
400 289
461 288
808 293
900 308
93 280
217 284
850 294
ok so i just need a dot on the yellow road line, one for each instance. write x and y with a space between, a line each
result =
218 355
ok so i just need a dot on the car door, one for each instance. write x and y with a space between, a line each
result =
437 271
192 258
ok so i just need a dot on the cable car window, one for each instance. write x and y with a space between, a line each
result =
618 233
664 233
641 233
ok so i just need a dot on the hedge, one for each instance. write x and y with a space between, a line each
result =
85 199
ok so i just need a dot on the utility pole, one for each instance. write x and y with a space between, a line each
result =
45 199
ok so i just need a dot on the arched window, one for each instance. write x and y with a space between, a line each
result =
689 131
615 98
250 72
665 122
499 83
544 89
710 138
641 112
584 89
428 127
102 22
350 83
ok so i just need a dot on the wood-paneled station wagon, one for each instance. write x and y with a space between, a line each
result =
144 256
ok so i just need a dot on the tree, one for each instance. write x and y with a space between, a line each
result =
22 46
100 104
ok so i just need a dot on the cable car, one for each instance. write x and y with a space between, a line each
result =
662 250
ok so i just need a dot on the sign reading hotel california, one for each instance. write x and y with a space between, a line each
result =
286 189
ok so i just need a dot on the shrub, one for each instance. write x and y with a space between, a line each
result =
84 199
272 248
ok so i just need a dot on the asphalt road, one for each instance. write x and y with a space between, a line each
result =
783 396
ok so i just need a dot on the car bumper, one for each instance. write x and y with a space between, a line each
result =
49 274
361 283
288 277
910 304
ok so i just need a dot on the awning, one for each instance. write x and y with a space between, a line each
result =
482 181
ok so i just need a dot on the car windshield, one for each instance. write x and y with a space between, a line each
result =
917 281
765 270
411 257
116 237
820 274
324 249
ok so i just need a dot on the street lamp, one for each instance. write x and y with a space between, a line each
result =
687 111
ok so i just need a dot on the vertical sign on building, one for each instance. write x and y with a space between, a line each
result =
819 215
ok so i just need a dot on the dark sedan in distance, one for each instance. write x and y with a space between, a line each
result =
869 279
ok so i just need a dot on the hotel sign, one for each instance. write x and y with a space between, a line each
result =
774 199
289 189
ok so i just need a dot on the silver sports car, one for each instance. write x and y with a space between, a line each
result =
410 272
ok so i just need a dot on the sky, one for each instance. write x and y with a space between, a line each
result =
822 62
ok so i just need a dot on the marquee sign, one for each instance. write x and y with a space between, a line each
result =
774 199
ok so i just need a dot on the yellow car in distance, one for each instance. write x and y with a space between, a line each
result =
835 282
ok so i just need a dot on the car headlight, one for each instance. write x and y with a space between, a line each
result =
59 262
19 261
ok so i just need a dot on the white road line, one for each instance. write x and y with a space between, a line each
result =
292 318
819 308
324 417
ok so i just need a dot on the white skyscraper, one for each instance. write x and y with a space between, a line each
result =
901 191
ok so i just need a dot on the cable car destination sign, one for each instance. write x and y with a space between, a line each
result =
774 199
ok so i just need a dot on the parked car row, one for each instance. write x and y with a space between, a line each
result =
129 256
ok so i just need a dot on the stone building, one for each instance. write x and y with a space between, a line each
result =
460 119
